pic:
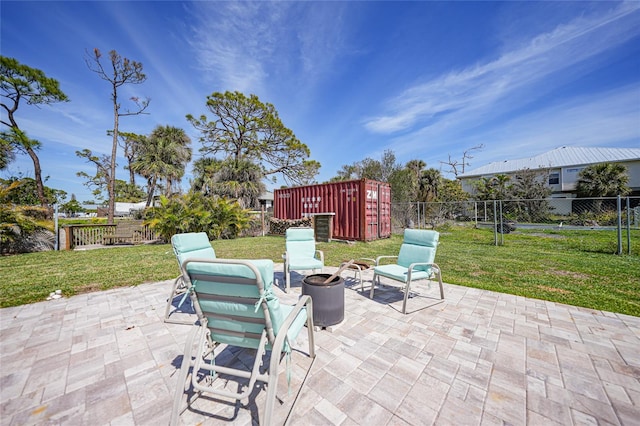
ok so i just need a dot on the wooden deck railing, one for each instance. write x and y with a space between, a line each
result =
78 236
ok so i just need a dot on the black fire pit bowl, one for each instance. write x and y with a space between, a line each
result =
328 299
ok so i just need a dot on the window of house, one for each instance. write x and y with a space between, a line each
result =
554 178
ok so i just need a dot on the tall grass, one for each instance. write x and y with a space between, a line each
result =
573 267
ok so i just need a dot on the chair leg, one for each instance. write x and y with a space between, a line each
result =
440 281
373 284
174 292
273 372
287 278
176 409
406 296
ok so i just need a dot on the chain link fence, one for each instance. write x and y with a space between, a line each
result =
620 214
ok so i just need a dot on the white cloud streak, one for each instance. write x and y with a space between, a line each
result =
467 97
248 46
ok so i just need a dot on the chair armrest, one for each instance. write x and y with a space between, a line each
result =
278 344
384 257
433 265
321 253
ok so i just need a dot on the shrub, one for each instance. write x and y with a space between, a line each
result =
196 212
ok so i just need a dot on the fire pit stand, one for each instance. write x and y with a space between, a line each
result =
358 266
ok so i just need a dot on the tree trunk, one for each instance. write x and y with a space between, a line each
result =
111 187
132 175
37 171
152 188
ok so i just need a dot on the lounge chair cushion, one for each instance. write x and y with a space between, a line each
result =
301 248
193 245
418 245
400 273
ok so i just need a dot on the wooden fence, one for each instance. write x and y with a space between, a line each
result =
78 236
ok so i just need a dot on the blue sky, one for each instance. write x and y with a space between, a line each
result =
427 80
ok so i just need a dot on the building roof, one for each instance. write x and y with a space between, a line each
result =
266 196
559 157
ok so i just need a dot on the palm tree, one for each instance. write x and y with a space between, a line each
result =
603 180
429 185
164 155
501 186
415 168
204 170
239 180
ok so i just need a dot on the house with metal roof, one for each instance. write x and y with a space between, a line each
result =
563 166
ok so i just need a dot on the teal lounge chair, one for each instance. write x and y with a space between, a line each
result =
301 253
414 262
186 246
236 307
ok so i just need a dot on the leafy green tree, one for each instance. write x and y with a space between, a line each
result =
128 193
100 181
245 129
18 83
72 207
26 194
369 168
402 186
347 172
120 71
164 155
130 144
7 154
451 191
603 180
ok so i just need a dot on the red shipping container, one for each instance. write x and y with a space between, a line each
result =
361 209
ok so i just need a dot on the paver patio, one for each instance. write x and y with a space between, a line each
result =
478 358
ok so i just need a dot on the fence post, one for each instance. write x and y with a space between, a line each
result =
501 225
619 205
56 245
495 223
475 208
628 226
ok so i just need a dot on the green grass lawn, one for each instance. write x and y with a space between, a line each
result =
573 267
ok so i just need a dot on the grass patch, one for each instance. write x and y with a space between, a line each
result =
578 269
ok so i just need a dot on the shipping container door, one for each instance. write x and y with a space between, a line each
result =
384 211
370 210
